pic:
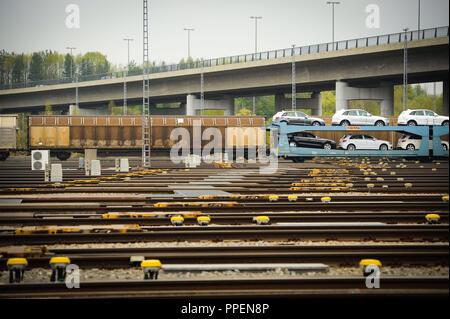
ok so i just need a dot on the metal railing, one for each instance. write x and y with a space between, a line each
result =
267 55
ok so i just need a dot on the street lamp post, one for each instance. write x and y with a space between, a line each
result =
202 89
76 86
125 78
294 93
418 21
332 19
405 71
256 51
71 58
189 40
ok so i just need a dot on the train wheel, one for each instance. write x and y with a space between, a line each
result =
63 156
4 156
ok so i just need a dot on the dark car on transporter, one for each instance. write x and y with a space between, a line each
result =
309 140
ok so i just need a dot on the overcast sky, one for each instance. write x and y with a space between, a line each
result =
222 28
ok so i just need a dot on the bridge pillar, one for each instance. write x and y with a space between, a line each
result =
341 96
387 103
384 93
445 98
316 98
193 105
314 103
279 102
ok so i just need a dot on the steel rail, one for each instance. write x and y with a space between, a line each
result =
238 218
111 258
256 233
268 287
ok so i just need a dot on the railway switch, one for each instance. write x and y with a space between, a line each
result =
364 263
261 220
273 198
203 220
16 268
433 218
58 265
151 268
177 220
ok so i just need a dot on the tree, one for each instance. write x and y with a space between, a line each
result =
111 107
69 66
133 69
36 67
94 63
244 112
48 109
18 70
86 67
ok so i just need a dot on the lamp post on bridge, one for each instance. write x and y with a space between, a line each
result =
332 19
189 40
405 71
294 91
125 78
418 21
256 51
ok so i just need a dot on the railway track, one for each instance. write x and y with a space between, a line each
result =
341 255
395 192
237 288
375 206
255 233
238 218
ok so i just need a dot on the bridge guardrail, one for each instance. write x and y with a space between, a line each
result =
431 33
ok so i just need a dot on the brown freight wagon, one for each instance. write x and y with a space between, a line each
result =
116 134
8 132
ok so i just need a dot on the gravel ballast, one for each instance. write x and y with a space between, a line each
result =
95 274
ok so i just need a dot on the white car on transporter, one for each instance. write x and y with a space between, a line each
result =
357 117
421 117
412 142
354 142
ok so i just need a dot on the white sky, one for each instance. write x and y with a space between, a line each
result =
222 27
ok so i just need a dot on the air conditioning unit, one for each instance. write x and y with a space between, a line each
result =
39 158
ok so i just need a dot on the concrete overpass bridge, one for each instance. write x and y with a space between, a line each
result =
365 68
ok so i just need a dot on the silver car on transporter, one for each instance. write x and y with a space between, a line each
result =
357 117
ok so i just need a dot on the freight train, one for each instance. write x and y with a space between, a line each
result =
112 135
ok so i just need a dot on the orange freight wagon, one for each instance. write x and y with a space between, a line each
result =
115 134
